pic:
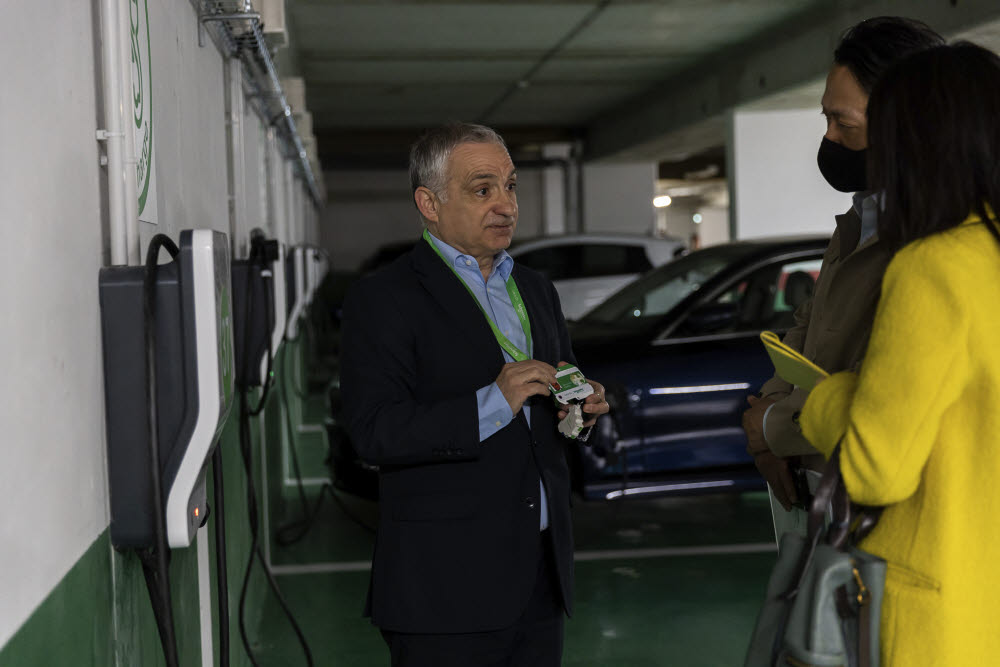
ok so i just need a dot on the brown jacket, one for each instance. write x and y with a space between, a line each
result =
831 329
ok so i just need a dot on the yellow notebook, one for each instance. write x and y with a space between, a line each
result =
791 365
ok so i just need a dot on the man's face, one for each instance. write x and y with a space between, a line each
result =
844 105
479 213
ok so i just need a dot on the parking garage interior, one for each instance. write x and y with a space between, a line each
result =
291 121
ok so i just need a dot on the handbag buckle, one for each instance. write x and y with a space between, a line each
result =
864 595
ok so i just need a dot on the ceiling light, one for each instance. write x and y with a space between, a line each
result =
661 201
697 218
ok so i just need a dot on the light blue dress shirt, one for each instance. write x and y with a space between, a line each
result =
866 205
494 411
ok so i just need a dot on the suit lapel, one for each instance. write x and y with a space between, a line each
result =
447 289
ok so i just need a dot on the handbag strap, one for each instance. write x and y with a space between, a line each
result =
850 523
827 496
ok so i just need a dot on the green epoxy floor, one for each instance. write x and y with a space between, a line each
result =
643 598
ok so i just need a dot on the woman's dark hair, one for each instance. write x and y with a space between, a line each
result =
871 46
934 141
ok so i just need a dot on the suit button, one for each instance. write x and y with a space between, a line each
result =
534 442
458 451
530 502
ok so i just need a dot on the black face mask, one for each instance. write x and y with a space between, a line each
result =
843 169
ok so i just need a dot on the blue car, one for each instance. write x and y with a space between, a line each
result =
678 352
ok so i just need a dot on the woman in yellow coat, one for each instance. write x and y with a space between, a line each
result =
919 425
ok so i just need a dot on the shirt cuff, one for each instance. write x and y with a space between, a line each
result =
494 411
763 426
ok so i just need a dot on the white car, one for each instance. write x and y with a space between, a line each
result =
587 268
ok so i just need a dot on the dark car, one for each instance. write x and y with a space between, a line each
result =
678 352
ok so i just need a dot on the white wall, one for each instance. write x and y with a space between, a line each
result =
189 125
52 466
254 172
365 209
775 186
714 226
54 229
370 208
619 197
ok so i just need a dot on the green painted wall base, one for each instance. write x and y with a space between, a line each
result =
100 614
74 625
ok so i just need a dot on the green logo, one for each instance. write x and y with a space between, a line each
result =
142 95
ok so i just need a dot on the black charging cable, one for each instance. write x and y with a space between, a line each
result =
221 569
156 562
294 531
303 343
268 380
246 451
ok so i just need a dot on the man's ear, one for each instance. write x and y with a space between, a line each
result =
427 203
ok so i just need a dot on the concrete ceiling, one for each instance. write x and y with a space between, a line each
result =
630 79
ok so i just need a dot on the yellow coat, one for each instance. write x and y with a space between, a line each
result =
921 427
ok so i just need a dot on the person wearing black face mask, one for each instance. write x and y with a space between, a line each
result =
833 327
844 169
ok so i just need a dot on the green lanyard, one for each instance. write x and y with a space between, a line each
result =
515 299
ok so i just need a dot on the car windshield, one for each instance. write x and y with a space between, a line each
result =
647 299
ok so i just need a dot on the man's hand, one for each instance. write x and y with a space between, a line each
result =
775 470
594 405
520 380
753 424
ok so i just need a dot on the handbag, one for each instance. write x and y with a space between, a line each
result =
824 596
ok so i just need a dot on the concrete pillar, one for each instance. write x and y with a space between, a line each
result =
555 189
618 197
775 186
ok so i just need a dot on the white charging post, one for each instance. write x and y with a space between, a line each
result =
280 307
297 275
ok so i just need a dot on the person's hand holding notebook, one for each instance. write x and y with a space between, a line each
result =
790 365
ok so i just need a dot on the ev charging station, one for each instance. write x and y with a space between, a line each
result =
258 309
280 299
296 275
195 382
317 270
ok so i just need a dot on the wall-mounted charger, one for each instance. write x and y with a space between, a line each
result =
296 288
280 299
254 310
195 383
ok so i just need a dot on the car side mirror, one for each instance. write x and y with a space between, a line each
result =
711 318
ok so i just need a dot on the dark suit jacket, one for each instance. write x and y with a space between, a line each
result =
458 542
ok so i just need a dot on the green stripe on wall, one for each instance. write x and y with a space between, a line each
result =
73 625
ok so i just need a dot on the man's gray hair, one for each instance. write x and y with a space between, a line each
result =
429 155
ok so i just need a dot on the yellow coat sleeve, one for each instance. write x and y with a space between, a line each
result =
915 367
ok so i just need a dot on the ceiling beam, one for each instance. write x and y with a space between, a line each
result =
689 111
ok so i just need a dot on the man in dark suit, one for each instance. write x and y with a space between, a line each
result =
448 354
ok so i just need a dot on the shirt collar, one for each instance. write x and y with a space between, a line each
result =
866 205
503 263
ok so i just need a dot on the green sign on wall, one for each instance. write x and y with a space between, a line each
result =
142 107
